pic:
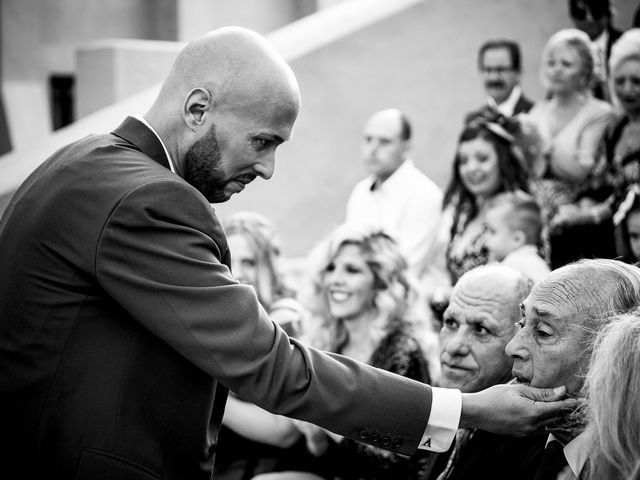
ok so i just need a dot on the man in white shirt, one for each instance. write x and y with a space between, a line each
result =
499 63
560 320
396 195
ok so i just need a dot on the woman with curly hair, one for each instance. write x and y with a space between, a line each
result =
360 301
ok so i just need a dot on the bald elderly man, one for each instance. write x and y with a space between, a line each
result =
121 326
396 195
477 325
560 320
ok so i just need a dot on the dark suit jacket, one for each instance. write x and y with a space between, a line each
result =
523 105
120 323
488 455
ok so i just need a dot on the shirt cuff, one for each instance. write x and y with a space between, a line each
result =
444 418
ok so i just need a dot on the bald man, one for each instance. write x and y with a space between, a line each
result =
396 195
121 326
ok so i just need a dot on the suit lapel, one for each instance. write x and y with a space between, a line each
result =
138 134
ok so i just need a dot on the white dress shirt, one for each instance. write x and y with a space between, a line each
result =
407 206
509 105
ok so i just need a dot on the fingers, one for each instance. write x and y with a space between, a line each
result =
544 394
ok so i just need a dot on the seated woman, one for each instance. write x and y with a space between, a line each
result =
613 391
571 123
360 302
489 160
252 440
485 165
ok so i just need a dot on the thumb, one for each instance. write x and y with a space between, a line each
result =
545 394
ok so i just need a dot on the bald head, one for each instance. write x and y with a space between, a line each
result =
386 141
478 324
228 102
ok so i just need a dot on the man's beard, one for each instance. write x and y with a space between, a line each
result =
202 168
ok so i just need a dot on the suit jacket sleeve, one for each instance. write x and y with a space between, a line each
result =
159 257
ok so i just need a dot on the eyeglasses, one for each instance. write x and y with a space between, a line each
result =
496 70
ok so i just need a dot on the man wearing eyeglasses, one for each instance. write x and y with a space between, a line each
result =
500 67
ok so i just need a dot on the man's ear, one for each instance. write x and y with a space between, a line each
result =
199 101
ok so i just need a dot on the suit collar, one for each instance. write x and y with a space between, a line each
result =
137 133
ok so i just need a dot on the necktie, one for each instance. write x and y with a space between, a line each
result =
552 462
462 437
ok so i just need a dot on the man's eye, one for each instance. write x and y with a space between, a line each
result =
261 142
543 333
450 323
480 330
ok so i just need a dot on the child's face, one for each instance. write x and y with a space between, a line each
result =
633 228
500 239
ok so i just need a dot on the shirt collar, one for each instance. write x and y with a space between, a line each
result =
148 125
576 452
509 105
601 40
393 178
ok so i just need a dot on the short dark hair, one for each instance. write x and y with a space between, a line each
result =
511 46
405 127
524 214
579 9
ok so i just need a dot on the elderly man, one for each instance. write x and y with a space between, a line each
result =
396 195
560 319
478 324
121 326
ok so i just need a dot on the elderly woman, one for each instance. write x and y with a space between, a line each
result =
360 301
571 123
613 391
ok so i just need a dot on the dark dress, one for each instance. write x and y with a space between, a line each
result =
400 353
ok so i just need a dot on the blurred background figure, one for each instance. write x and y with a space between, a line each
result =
253 440
514 233
571 123
627 220
594 17
485 165
500 65
396 196
361 303
612 389
478 324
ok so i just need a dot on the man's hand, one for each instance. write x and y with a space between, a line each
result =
515 410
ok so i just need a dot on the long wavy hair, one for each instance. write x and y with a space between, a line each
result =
260 235
513 173
393 294
612 390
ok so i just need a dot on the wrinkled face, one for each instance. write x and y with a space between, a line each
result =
478 323
564 69
239 146
348 283
549 348
500 239
626 84
478 167
498 73
382 148
244 264
633 229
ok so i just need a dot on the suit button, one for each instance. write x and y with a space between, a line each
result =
396 443
375 438
363 434
386 441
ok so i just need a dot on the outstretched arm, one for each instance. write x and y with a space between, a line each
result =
515 410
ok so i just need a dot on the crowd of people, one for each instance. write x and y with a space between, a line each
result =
485 330
536 185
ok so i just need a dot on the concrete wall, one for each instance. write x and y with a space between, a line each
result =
421 60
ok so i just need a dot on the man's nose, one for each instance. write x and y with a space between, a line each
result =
516 348
266 166
458 344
